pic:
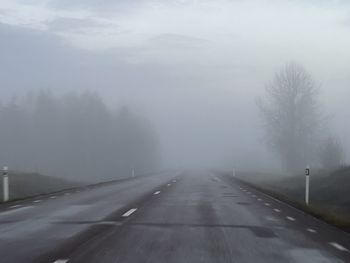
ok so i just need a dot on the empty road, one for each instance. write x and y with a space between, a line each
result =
170 217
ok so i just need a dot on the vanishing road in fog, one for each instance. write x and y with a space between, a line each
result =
173 217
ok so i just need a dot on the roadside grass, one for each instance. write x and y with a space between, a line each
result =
23 185
329 193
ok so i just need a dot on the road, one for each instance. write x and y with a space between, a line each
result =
172 217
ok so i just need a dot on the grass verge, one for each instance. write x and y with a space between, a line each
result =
329 199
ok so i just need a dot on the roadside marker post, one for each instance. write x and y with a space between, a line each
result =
307 184
5 181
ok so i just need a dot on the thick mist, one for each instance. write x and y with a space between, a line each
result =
75 136
193 69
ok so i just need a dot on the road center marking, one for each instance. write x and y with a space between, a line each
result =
157 193
311 230
290 218
61 260
267 204
338 246
277 210
131 211
260 199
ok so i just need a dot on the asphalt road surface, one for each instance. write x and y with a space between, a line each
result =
172 217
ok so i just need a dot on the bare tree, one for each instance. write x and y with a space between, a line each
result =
291 116
332 154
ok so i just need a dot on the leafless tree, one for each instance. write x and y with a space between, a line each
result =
291 116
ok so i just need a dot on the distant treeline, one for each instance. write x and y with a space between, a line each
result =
75 136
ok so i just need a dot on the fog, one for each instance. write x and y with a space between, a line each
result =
194 69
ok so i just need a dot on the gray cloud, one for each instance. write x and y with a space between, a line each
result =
69 24
106 6
177 41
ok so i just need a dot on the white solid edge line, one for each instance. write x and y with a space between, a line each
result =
338 246
157 193
290 218
129 212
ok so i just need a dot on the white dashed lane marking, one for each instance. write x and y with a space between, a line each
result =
339 247
15 206
169 184
157 193
61 261
131 211
37 201
53 197
311 230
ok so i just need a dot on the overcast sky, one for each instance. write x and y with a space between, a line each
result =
195 67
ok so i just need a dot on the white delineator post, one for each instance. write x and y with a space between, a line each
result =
5 182
307 184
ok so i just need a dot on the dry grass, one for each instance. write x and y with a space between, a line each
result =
24 185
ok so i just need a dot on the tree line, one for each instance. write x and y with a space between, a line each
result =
75 136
